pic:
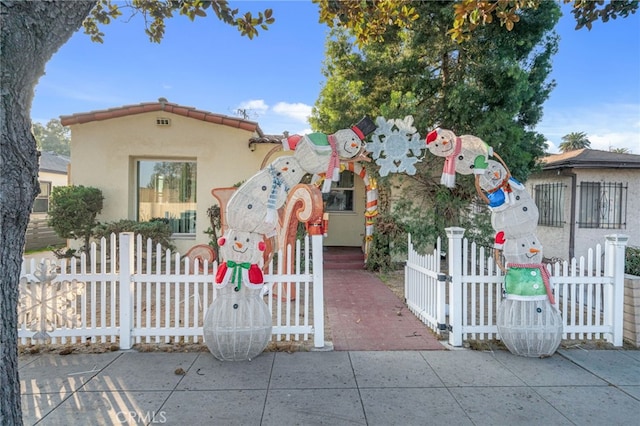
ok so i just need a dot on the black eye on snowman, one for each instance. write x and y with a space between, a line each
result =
524 209
460 157
518 197
249 206
247 239
264 187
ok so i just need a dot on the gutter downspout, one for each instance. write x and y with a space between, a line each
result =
572 214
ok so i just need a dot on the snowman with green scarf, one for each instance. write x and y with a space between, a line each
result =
237 326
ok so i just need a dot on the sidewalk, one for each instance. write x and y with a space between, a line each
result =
339 388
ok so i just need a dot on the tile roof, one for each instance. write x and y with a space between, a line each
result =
592 159
53 163
164 106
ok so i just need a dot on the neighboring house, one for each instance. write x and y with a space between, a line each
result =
161 159
52 172
584 195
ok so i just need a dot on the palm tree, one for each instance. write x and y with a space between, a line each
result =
620 150
573 141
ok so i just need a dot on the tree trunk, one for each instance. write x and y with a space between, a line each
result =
30 33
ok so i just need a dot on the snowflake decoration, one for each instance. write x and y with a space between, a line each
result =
46 306
396 145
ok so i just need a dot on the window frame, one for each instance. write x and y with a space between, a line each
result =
46 198
595 212
339 187
185 224
549 198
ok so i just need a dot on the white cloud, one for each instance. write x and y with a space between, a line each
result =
257 106
298 111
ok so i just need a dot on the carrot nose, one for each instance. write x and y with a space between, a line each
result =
284 169
496 175
533 250
238 244
354 145
445 142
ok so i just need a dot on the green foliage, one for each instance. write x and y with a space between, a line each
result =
73 211
574 141
388 239
632 261
53 137
154 14
492 86
158 231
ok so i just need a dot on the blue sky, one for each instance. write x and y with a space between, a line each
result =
277 75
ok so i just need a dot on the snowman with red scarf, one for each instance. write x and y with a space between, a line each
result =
237 326
321 153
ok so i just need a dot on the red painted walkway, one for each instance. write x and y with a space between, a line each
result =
365 315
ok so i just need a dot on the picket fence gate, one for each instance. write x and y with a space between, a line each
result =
464 301
131 292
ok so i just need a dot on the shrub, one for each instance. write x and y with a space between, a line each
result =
632 261
73 212
158 230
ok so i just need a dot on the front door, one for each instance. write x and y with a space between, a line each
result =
345 205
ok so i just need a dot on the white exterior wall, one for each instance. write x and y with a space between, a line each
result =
56 179
589 237
555 240
104 155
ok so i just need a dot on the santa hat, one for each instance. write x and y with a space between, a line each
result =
290 143
499 240
431 136
364 127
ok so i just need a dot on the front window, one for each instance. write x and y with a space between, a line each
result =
41 203
167 191
549 198
603 205
340 199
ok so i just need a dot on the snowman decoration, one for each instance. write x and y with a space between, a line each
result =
253 207
237 325
466 154
528 321
321 153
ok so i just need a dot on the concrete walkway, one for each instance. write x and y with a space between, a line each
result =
457 387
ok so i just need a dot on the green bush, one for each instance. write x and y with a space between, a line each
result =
158 230
632 261
73 211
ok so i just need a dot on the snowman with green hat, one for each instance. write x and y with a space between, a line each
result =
321 153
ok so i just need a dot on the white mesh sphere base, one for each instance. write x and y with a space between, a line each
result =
531 328
237 326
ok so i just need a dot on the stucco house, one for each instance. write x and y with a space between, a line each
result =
584 195
161 159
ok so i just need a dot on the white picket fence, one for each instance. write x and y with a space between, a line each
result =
465 300
139 293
